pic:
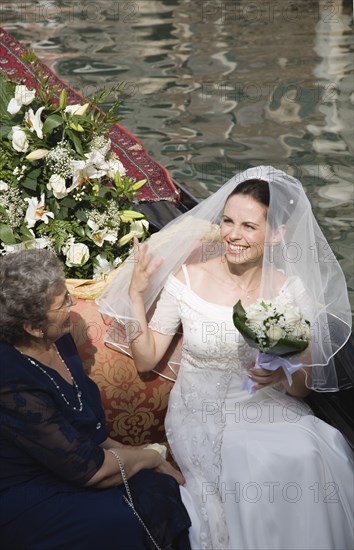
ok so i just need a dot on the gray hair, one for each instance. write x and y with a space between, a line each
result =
29 282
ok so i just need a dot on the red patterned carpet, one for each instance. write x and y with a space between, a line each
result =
137 162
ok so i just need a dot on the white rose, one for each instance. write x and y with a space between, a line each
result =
275 333
77 254
23 96
57 185
3 185
19 139
292 316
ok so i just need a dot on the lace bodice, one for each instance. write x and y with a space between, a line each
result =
210 337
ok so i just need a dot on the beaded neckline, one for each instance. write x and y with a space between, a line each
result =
54 382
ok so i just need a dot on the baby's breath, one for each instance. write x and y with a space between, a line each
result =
98 142
108 218
13 207
59 160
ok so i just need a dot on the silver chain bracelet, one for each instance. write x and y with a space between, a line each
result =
129 500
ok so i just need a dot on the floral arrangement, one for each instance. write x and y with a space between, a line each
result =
277 329
61 185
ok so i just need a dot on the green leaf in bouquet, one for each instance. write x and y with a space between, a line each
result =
67 202
287 347
6 234
239 319
76 141
30 181
4 129
81 231
52 122
25 232
81 215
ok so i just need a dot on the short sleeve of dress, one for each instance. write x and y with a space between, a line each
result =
31 420
166 318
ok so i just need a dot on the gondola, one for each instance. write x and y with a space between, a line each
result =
164 202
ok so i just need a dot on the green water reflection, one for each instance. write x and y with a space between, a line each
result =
215 87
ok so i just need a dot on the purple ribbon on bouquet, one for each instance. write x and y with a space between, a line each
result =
269 361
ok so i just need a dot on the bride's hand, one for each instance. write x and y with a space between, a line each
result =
264 377
145 265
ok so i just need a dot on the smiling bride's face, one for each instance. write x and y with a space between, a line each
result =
243 229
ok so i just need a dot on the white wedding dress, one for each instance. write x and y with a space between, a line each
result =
261 471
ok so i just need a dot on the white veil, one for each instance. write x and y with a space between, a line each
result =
301 252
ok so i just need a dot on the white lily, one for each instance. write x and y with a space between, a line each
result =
114 166
95 167
36 211
100 235
104 266
33 121
40 242
23 96
76 109
96 160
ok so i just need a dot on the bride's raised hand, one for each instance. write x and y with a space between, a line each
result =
144 266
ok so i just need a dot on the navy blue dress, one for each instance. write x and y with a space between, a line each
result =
49 450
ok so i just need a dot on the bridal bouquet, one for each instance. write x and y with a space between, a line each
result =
277 329
61 184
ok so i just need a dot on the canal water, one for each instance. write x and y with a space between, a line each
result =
213 87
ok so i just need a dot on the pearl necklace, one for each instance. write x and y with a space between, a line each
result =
78 392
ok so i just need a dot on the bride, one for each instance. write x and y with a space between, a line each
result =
261 470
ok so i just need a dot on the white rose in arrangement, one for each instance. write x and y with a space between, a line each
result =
3 185
19 139
23 96
275 333
256 316
299 330
57 185
77 254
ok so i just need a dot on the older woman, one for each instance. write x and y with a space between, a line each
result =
61 477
